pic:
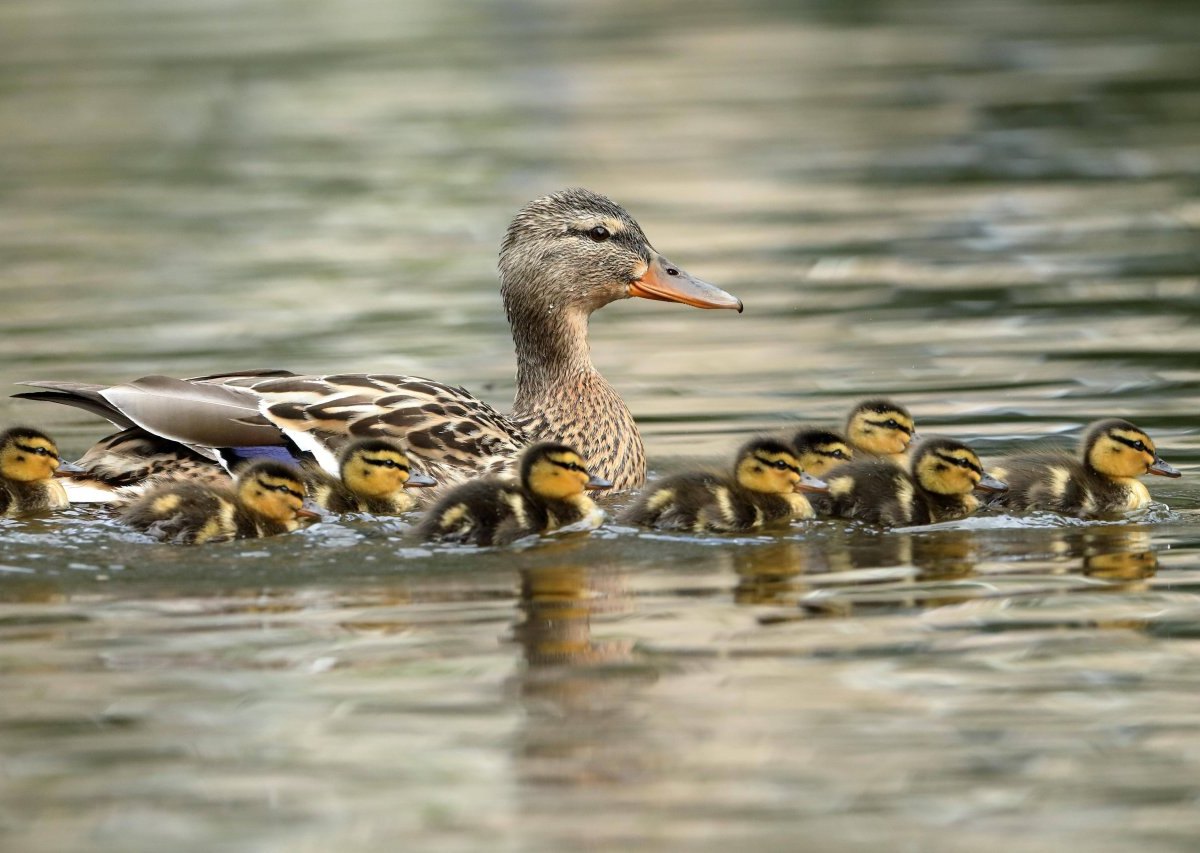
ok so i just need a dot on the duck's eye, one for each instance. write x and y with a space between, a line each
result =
1139 446
837 454
599 234
891 424
781 465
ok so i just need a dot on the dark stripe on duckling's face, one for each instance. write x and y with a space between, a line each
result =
293 489
892 423
960 461
1141 445
778 464
833 451
570 465
387 463
37 451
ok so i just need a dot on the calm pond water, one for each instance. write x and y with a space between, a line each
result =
989 210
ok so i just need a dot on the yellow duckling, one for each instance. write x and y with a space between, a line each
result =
881 428
937 487
28 460
374 474
1101 481
495 511
268 499
764 488
819 451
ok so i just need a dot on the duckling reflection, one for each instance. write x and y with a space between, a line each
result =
766 574
580 694
946 554
557 602
1119 554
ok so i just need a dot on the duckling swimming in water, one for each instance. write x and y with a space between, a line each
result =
820 450
268 499
496 511
937 487
28 460
764 488
374 475
1101 481
880 427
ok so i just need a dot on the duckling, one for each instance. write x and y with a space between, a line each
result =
268 499
763 488
374 474
880 428
1101 481
28 460
937 486
820 450
496 510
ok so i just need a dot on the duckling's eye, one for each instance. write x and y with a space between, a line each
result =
892 424
599 234
781 465
1139 445
837 454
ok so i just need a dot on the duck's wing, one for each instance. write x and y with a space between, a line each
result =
450 432
199 415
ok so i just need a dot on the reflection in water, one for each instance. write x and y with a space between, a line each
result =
579 694
911 569
1119 553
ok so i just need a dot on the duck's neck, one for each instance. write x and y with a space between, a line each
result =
562 397
552 351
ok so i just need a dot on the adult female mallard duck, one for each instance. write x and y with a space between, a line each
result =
268 500
374 474
1101 481
550 493
28 460
764 488
564 256
937 487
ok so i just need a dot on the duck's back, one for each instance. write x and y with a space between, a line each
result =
735 509
675 502
489 511
189 513
876 491
1061 483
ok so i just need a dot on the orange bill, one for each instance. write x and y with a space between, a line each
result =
666 282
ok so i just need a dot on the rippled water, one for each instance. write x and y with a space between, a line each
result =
988 210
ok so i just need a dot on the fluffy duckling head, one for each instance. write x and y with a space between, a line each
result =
947 467
820 450
557 472
1116 448
274 491
27 455
880 428
770 466
574 251
377 468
